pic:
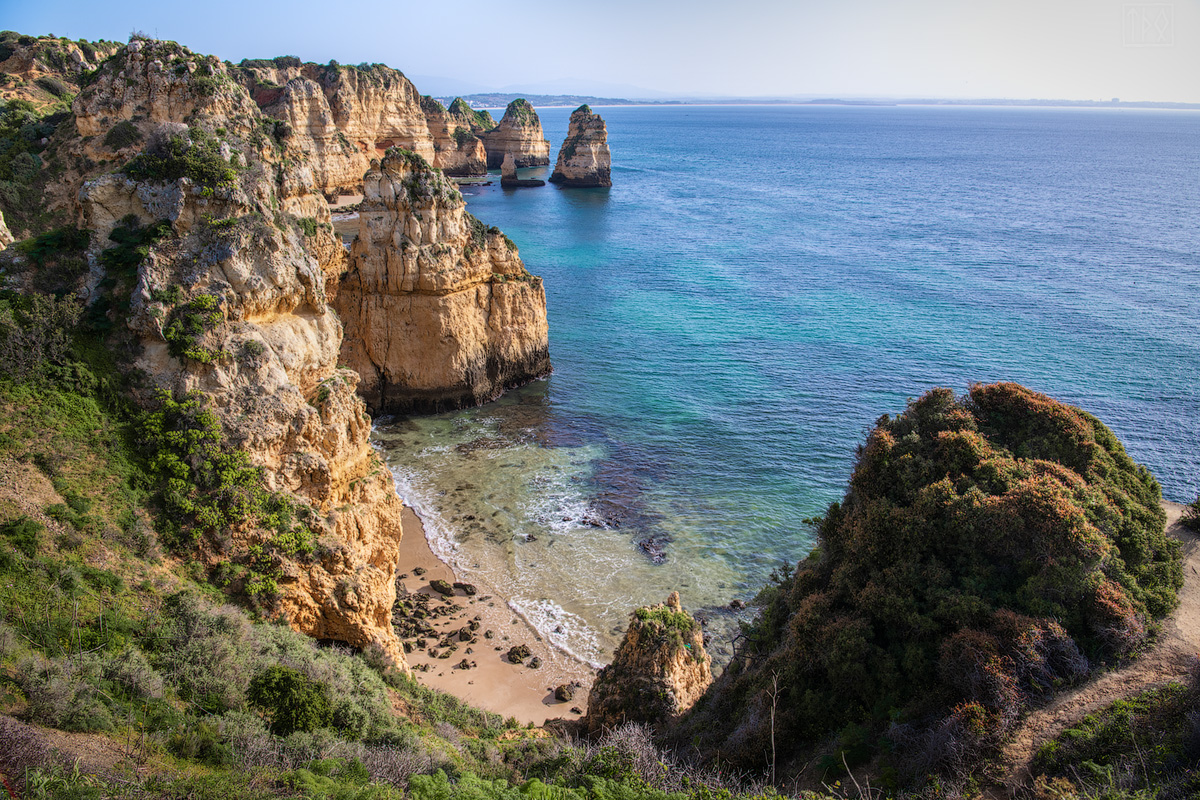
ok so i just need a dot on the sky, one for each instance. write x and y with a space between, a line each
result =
1016 49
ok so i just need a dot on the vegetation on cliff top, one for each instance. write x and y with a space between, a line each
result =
520 112
989 549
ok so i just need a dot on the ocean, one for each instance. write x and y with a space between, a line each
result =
762 283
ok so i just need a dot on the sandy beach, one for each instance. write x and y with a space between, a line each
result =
489 680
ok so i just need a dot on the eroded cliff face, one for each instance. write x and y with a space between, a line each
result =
463 115
266 355
583 159
519 133
343 117
6 238
458 151
439 309
659 671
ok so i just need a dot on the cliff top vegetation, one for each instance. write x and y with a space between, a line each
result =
989 550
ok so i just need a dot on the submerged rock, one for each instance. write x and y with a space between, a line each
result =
658 672
584 159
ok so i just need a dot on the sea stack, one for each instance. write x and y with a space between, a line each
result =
458 152
659 672
463 115
439 310
508 175
584 159
519 133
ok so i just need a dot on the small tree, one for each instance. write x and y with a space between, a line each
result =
291 700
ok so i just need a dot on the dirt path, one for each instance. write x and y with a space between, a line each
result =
1169 659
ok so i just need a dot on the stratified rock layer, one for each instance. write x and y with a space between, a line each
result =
659 671
343 117
583 159
519 133
439 310
457 150
273 377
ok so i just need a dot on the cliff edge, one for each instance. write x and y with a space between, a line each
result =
440 312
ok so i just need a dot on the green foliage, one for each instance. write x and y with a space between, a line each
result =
188 323
58 257
36 336
291 700
123 134
22 129
202 483
195 156
24 534
987 550
308 226
520 112
1151 740
1191 515
463 137
133 243
55 87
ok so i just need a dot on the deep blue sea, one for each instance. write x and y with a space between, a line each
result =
758 287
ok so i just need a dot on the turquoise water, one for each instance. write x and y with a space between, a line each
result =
760 284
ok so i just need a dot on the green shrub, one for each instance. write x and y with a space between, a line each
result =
291 700
988 549
55 87
24 534
188 323
123 134
195 156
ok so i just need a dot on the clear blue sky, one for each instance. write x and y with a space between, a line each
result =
1073 49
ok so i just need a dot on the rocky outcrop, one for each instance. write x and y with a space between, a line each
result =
508 175
457 150
266 357
519 133
339 117
658 673
45 70
583 159
475 121
439 310
6 238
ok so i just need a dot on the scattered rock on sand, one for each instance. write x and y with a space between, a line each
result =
467 588
564 693
535 663
519 653
441 587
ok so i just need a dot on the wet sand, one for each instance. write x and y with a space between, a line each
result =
492 682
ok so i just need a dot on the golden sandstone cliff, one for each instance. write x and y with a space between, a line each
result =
583 159
440 312
519 133
342 117
231 299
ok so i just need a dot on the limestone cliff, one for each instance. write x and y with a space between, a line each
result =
6 238
439 310
475 121
342 117
457 150
265 357
519 133
658 672
583 159
45 70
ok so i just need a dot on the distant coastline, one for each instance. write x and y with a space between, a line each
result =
501 99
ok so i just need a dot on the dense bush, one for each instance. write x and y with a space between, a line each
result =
195 155
290 700
988 549
123 134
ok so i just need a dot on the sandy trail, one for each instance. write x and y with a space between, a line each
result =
1169 658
